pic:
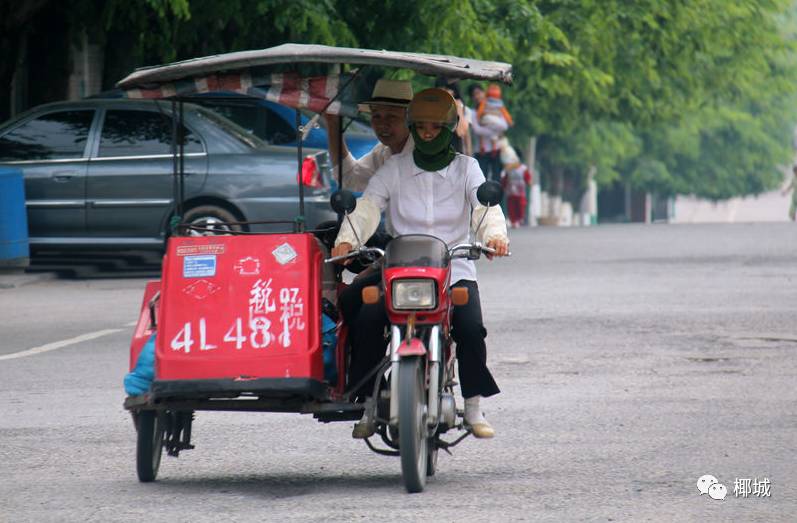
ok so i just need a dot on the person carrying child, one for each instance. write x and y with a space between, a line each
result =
490 122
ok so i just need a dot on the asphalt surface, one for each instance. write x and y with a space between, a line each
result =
632 359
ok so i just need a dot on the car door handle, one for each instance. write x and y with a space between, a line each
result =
64 176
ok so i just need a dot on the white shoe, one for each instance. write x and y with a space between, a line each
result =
363 429
474 419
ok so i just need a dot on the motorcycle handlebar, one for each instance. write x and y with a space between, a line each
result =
472 246
355 253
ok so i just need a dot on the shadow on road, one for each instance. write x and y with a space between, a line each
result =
284 485
97 264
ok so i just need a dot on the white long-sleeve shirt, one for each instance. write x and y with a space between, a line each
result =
440 203
357 172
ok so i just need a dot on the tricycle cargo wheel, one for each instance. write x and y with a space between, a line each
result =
149 445
413 434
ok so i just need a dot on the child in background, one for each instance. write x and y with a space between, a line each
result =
515 178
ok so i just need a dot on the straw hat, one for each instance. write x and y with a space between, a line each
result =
395 93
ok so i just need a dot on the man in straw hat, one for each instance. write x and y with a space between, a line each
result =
388 109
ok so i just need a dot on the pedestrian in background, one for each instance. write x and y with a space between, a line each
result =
793 188
487 142
515 179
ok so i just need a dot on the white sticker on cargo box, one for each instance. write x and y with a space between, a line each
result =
284 254
199 266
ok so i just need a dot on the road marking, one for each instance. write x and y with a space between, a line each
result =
59 344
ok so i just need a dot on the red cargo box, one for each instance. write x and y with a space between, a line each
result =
144 327
240 307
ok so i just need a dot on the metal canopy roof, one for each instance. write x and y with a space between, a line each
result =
429 64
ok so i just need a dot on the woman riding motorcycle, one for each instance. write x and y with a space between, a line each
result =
431 191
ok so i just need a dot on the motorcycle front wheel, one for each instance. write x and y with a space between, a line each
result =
413 434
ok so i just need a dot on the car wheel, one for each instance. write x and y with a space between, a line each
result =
210 220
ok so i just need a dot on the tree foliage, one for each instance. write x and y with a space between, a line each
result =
672 96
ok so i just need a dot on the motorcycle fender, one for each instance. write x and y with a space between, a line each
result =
414 348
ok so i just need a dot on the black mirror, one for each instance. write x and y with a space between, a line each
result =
343 202
490 193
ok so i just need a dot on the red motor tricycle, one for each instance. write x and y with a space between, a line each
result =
238 320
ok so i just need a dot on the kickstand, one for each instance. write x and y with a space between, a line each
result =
445 445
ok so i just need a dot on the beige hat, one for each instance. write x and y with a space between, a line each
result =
433 105
396 93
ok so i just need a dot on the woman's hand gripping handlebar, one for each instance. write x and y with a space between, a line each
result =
344 253
473 251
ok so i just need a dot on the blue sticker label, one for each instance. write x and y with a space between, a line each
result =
199 266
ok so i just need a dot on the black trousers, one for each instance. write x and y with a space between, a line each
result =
490 164
367 325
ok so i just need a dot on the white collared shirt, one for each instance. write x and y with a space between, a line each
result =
430 202
356 173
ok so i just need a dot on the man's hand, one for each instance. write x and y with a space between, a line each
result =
342 250
501 247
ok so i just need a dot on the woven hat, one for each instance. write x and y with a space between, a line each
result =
395 93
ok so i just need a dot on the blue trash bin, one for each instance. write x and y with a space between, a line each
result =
14 246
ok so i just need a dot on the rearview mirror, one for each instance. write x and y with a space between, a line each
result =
490 193
343 201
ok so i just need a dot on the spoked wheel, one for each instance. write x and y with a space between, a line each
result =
149 445
413 435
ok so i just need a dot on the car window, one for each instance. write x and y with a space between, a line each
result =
53 136
233 129
242 115
138 133
278 130
255 118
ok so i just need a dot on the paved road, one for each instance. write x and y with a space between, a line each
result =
633 360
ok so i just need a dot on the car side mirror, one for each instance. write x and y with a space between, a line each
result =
343 201
490 193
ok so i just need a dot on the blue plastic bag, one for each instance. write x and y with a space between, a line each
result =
329 341
137 381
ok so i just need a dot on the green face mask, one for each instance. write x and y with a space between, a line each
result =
435 154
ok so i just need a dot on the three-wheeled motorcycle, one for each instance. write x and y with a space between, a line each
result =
246 320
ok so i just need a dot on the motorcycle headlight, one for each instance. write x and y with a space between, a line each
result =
414 294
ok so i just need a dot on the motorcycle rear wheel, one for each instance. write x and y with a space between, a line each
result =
413 434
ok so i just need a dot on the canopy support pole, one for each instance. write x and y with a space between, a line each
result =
300 225
181 138
177 218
